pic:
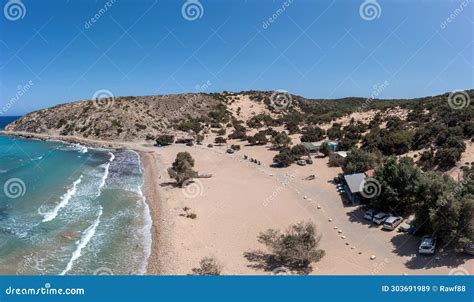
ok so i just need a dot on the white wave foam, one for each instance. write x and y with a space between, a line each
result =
148 222
106 173
64 201
73 147
82 243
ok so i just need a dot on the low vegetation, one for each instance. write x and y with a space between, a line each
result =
182 168
208 266
296 248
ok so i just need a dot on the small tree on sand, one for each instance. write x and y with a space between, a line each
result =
182 168
297 247
208 266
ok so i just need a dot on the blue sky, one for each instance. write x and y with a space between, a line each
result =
317 49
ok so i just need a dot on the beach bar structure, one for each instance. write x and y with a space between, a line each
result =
316 146
354 184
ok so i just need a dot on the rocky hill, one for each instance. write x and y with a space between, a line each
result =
118 118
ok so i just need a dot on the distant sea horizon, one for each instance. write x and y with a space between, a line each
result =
69 209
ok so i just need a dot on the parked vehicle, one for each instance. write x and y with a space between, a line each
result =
189 144
406 225
427 245
392 222
469 248
301 162
230 151
369 214
379 218
210 146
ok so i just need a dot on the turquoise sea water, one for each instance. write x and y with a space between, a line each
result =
68 209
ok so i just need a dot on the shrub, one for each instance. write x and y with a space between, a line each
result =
311 134
258 139
325 149
281 140
297 247
284 158
208 266
164 140
298 151
359 161
220 140
182 168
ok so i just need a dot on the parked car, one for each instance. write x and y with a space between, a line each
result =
427 245
301 162
210 146
189 144
379 218
469 248
230 151
406 225
392 222
369 214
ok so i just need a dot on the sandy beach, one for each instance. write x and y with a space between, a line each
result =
242 199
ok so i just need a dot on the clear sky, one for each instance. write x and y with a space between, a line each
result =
317 49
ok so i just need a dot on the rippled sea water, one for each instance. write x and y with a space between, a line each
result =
68 209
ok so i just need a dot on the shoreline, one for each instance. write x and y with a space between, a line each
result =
155 263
